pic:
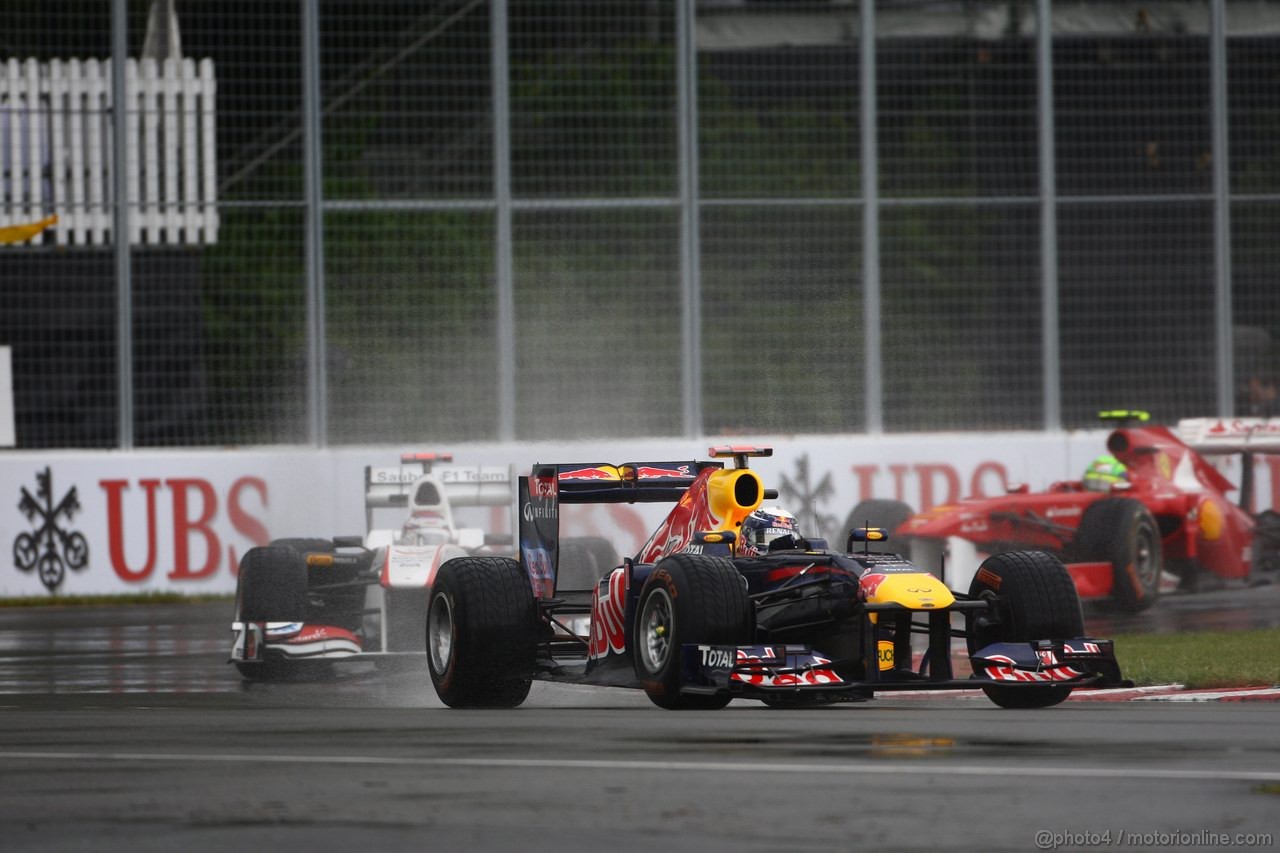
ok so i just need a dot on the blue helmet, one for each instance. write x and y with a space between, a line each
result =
762 527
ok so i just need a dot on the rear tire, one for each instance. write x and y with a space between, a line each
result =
1122 532
1041 603
688 598
481 633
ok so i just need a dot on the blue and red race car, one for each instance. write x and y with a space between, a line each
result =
695 623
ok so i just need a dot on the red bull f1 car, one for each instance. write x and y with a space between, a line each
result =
695 624
1171 513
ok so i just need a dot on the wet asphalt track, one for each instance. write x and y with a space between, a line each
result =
123 729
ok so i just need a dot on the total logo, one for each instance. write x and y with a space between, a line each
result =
543 487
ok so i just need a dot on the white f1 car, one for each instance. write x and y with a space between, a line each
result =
304 603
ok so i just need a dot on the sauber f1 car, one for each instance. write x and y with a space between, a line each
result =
695 625
1171 512
303 603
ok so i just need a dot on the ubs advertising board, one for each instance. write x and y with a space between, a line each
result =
78 523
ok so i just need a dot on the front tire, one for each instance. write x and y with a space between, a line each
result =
1122 532
689 598
305 545
481 633
886 514
272 585
1040 603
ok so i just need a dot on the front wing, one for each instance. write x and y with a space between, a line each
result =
770 670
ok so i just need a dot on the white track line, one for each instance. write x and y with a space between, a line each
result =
842 769
1237 695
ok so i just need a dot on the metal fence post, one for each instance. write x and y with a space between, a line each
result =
874 401
313 189
1050 346
1221 209
121 143
690 211
504 275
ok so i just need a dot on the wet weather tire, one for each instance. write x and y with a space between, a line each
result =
688 599
481 633
885 514
273 585
1122 532
305 546
1040 603
584 560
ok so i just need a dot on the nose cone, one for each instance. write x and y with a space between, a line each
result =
914 590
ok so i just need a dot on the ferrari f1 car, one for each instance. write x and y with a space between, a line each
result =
695 625
303 603
1171 512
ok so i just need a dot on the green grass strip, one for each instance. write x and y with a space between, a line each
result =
1202 658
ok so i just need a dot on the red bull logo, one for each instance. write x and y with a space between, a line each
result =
602 472
648 472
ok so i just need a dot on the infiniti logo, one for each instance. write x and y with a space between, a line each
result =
530 512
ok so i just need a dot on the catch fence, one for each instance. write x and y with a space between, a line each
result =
425 223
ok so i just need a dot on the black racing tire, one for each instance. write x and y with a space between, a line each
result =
304 545
689 598
1123 532
272 585
1266 544
886 514
481 633
577 566
1040 603
601 550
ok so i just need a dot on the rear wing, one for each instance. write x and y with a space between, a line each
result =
1233 435
630 482
462 485
539 495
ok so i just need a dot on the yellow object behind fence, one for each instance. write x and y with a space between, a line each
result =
23 233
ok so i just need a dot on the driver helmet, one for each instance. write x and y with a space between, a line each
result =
1104 472
762 527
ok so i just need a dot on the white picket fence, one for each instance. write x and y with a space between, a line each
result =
56 150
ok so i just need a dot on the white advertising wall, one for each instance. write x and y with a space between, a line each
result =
7 436
115 522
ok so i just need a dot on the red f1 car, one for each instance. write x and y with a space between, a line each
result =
695 623
1170 512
